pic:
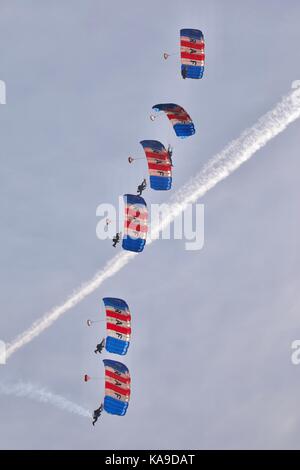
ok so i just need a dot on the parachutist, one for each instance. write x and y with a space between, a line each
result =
184 72
116 239
97 414
100 347
141 187
170 153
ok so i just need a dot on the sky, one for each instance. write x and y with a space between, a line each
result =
210 357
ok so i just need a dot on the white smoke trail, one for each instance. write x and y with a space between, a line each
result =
217 169
33 392
111 268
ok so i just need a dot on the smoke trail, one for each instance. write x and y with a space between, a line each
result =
217 169
28 390
111 268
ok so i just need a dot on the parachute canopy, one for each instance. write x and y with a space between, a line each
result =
159 164
192 53
181 121
135 223
117 387
118 325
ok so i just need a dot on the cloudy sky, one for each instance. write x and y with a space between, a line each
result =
210 357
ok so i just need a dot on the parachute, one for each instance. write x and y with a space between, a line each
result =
159 165
135 224
118 325
117 387
192 53
181 121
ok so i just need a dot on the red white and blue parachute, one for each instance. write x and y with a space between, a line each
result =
135 223
192 53
181 121
117 387
159 165
118 325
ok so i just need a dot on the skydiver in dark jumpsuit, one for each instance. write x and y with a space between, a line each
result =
142 187
97 414
116 239
100 347
184 72
170 153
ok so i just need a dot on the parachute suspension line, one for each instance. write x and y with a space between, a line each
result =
155 116
166 55
90 322
87 378
132 159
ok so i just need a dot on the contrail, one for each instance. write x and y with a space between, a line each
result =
217 169
34 392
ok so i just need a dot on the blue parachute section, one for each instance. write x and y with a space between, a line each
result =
115 407
116 346
117 313
181 121
134 235
118 366
159 182
188 70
